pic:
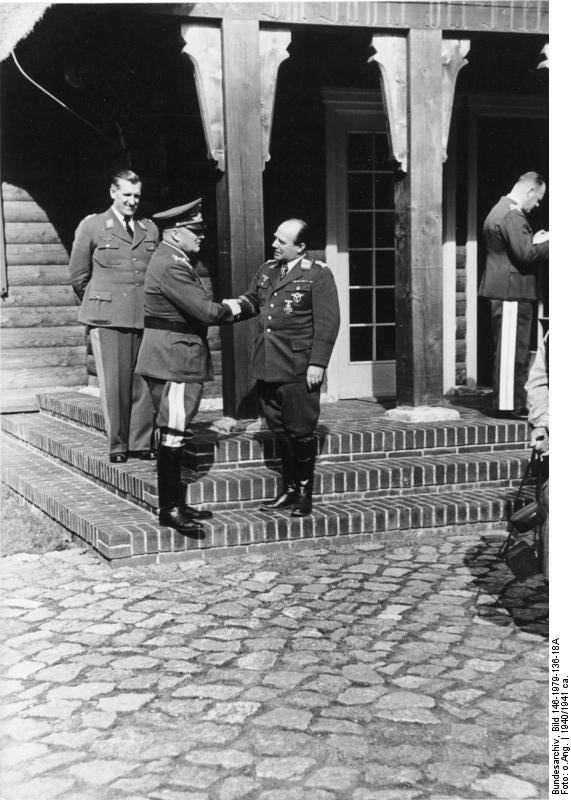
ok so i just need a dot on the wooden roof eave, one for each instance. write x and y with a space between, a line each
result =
454 16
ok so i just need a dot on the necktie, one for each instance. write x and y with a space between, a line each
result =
129 226
283 270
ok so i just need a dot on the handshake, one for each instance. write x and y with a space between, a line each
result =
540 237
234 306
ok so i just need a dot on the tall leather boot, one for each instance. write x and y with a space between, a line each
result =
305 452
172 512
289 493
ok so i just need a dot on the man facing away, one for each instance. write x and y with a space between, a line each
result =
295 299
174 358
510 282
108 262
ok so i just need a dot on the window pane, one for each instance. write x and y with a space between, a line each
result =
360 305
385 305
359 150
384 191
360 229
360 268
385 229
361 344
385 267
360 191
382 151
386 350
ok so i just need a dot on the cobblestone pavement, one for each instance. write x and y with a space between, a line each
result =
358 672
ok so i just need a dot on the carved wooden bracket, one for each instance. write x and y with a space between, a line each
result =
453 59
204 48
391 57
273 50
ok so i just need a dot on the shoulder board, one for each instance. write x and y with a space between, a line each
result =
142 223
109 223
320 263
306 263
514 207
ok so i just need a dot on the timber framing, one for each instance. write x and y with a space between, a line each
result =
491 16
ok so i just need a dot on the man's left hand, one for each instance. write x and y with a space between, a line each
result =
314 377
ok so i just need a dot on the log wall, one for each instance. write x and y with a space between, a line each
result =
41 344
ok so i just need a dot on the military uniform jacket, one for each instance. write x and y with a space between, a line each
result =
298 319
176 298
512 258
108 269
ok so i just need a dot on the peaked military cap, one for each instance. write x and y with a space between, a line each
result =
186 216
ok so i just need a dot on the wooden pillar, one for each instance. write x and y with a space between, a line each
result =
418 205
239 203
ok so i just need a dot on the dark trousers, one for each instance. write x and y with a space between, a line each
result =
125 398
511 331
290 409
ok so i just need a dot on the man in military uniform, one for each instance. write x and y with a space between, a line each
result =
510 281
174 358
295 298
108 262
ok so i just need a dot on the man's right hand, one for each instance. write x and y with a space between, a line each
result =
234 306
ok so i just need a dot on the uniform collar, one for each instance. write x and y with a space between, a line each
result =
177 250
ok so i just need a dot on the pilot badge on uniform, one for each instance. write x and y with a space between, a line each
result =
288 307
296 297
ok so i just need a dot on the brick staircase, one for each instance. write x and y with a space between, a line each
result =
373 475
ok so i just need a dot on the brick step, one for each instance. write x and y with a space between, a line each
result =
348 431
120 531
86 451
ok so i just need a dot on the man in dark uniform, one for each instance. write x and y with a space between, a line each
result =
296 301
108 261
174 357
510 281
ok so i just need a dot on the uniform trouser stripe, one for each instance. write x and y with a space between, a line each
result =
508 336
176 413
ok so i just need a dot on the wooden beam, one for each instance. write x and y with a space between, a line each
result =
240 204
418 207
485 16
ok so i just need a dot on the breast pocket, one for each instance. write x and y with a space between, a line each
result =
298 300
99 308
106 254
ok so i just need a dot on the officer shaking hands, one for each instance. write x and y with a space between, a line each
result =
295 300
174 358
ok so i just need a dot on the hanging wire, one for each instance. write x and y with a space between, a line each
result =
58 101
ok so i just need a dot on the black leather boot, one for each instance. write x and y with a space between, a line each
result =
172 512
305 452
289 493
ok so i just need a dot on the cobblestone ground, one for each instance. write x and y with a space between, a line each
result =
368 672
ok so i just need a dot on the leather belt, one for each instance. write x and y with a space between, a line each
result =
163 324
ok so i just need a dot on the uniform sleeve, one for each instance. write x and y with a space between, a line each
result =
537 388
325 317
80 261
519 240
249 301
189 296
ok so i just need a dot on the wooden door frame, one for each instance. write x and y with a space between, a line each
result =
340 101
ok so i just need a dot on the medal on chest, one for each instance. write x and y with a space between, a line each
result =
264 280
288 306
296 297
